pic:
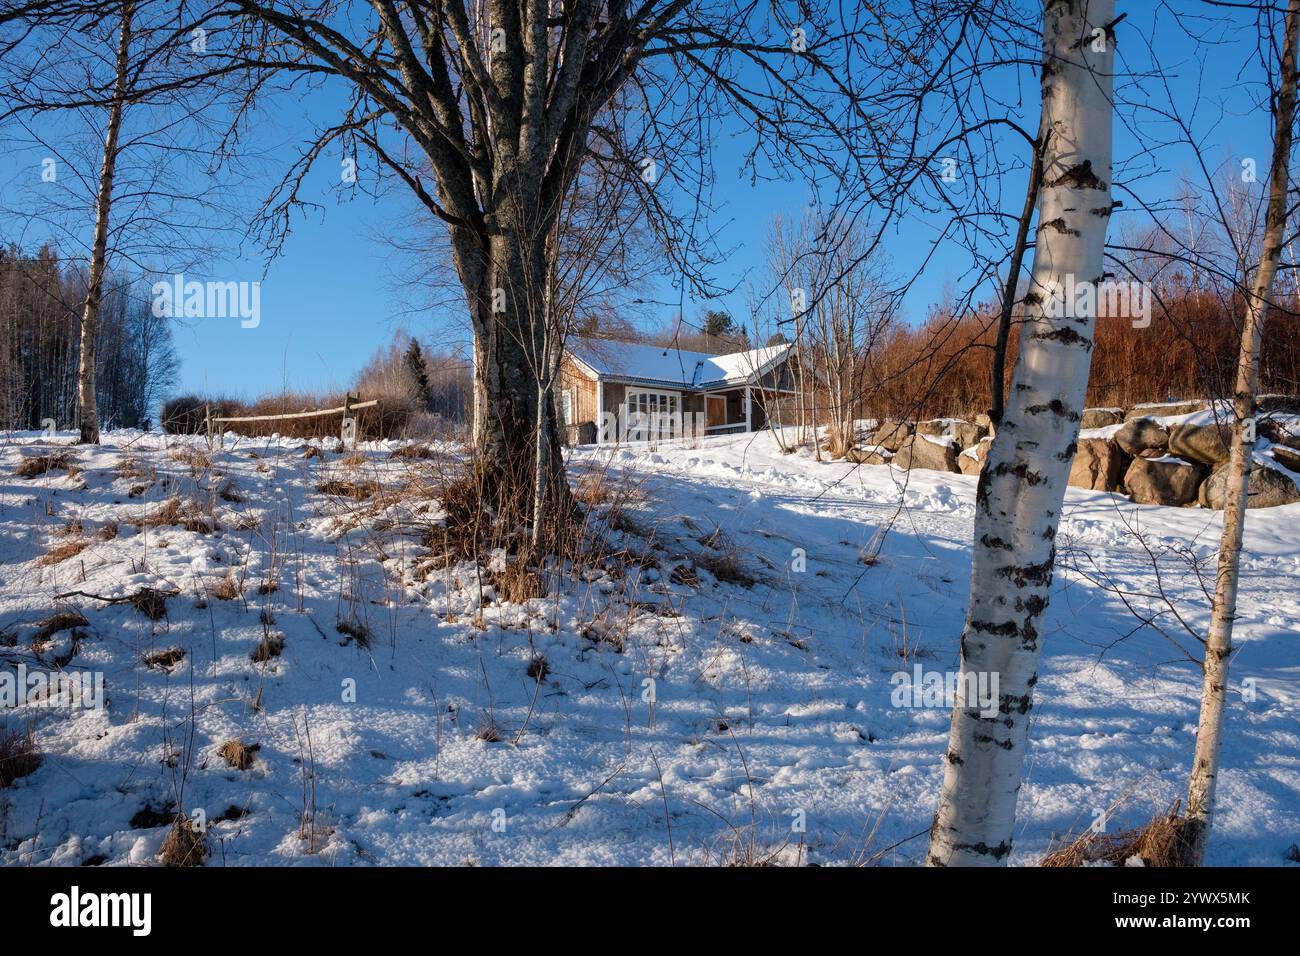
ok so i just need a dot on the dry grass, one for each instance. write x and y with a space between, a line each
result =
230 492
19 756
413 451
238 754
268 648
33 466
227 589
164 659
726 566
517 583
63 621
63 551
184 846
174 512
354 631
358 490
196 459
151 602
1162 842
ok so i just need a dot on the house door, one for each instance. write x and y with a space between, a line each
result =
715 410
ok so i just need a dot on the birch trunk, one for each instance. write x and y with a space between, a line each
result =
1022 486
88 413
1218 647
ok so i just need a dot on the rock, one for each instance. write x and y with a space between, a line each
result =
891 434
921 452
1161 410
1099 465
1163 481
935 427
971 461
861 456
1280 432
1268 488
1143 437
1208 443
1286 457
1101 417
966 434
1278 403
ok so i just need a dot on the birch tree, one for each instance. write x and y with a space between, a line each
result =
1218 649
1022 486
89 415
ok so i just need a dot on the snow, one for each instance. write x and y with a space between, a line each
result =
772 702
672 366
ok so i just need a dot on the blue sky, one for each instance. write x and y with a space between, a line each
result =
336 292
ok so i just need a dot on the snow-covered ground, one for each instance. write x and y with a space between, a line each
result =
773 729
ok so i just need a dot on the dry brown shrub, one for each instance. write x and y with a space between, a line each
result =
19 756
1164 842
63 551
358 490
238 754
164 659
33 466
184 846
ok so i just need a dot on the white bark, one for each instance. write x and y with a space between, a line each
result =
1218 649
88 409
1023 483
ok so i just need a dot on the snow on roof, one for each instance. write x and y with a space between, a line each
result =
674 367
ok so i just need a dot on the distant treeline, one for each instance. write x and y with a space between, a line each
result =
944 367
421 393
41 299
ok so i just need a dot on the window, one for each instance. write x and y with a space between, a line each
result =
651 415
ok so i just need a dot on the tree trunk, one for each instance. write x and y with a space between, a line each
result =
1023 483
88 411
513 407
1218 648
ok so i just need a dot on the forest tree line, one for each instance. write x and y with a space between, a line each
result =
41 299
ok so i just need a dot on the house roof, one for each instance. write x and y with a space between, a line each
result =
673 367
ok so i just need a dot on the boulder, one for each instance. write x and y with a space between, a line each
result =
1163 481
869 456
932 455
1280 432
1278 403
1101 417
1286 457
1099 465
1268 488
1208 443
966 434
971 461
891 434
1142 437
1161 410
935 427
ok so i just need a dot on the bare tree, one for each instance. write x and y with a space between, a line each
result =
1205 764
99 246
487 110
